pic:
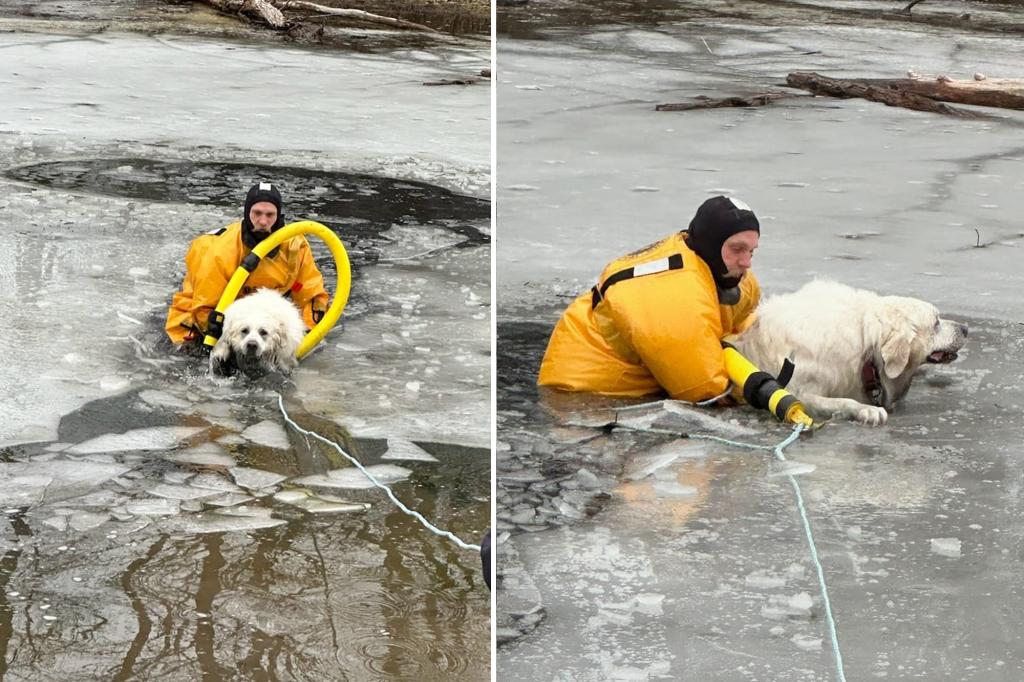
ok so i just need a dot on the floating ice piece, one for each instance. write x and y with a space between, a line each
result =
680 417
522 188
153 438
182 492
113 383
178 476
801 602
785 607
268 433
319 504
643 188
946 547
247 511
214 409
215 522
58 522
806 642
255 479
662 456
83 521
161 399
28 483
23 491
323 507
407 450
210 481
158 507
291 496
353 478
228 500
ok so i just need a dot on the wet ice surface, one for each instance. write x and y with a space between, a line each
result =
625 555
145 503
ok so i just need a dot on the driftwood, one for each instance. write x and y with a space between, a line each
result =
485 75
703 102
271 12
1002 93
885 93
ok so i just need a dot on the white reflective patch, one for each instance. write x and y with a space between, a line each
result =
266 187
740 205
650 268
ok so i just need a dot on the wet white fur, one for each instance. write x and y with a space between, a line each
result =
830 330
265 322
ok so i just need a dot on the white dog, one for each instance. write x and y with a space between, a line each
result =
261 333
855 351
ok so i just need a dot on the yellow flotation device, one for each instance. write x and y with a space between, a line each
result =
251 261
762 390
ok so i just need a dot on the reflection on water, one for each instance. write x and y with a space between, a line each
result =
98 587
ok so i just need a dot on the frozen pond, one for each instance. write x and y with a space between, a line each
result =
164 526
635 556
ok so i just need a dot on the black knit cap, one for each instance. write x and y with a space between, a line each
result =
716 220
261 191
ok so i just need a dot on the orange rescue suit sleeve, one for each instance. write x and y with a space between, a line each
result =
206 275
310 294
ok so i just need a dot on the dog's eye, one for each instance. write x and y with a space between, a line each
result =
245 330
263 332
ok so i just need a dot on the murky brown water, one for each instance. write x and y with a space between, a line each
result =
340 596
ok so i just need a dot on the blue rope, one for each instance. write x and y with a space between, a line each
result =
398 503
777 451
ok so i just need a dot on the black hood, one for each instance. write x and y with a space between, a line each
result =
261 191
716 220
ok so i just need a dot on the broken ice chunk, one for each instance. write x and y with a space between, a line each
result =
407 450
153 438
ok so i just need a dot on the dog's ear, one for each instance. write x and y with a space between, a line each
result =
897 340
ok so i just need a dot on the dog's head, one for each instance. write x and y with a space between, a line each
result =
908 333
261 333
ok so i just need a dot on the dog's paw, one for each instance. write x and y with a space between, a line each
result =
871 415
222 362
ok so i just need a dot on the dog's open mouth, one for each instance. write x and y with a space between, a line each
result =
941 357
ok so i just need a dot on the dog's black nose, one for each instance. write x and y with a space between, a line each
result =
251 347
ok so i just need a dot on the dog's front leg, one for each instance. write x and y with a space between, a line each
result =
222 359
845 407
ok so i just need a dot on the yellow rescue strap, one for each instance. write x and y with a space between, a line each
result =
249 263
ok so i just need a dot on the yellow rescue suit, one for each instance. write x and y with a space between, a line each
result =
653 323
214 257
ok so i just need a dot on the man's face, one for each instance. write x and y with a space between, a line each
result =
737 252
263 215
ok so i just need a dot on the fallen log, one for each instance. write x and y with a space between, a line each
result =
704 102
1002 93
261 8
846 89
351 14
271 12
